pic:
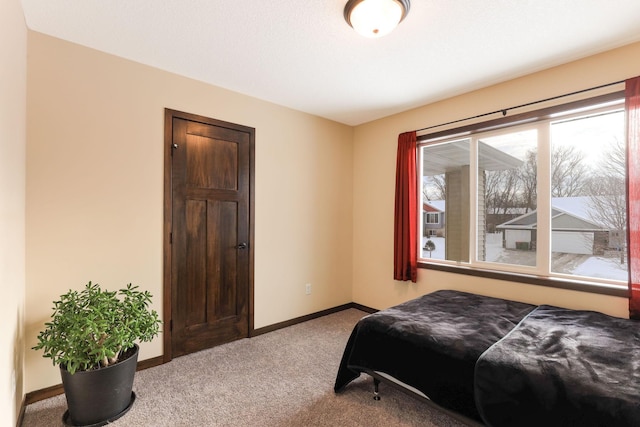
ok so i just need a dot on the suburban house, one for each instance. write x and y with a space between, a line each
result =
433 218
82 188
572 229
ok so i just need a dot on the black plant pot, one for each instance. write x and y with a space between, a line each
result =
97 397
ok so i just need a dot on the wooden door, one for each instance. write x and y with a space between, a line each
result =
210 232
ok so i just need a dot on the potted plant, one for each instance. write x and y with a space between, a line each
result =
92 337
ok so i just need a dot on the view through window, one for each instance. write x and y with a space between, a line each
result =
545 198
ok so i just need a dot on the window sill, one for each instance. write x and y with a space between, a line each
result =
573 285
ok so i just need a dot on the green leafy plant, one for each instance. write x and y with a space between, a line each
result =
94 328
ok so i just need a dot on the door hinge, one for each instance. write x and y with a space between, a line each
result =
170 238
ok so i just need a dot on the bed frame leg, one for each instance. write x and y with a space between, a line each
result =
376 384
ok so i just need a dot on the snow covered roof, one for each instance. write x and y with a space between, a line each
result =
570 213
576 206
437 205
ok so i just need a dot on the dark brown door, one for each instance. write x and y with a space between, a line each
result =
210 233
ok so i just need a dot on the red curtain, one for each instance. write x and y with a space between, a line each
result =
405 252
632 105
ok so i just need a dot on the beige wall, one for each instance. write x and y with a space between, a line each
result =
374 178
13 110
324 191
95 188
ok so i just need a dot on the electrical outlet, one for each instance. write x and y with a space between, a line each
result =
307 288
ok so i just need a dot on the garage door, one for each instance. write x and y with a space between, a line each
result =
572 242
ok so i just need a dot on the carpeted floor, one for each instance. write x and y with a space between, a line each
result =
283 378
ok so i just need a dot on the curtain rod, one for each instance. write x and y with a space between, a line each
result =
504 110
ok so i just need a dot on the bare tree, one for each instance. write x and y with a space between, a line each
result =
501 189
501 196
568 172
529 181
434 187
608 204
569 175
615 161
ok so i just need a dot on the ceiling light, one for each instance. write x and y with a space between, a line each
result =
375 18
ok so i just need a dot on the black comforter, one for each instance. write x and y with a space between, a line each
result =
431 343
562 367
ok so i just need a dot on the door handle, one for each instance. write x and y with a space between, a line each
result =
242 246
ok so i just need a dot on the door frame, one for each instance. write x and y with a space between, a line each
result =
169 115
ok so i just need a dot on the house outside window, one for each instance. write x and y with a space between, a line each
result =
433 218
545 198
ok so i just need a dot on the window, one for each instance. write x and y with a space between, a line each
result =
432 218
538 195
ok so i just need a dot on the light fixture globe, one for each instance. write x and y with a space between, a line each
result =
375 18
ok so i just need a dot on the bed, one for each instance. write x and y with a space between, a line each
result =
503 363
562 367
431 343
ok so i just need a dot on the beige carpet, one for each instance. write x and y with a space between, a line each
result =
283 378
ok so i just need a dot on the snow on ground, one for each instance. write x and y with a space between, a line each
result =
438 253
605 268
579 265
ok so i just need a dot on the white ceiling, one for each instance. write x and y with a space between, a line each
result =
303 55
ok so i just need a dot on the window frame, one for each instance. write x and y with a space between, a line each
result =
532 118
